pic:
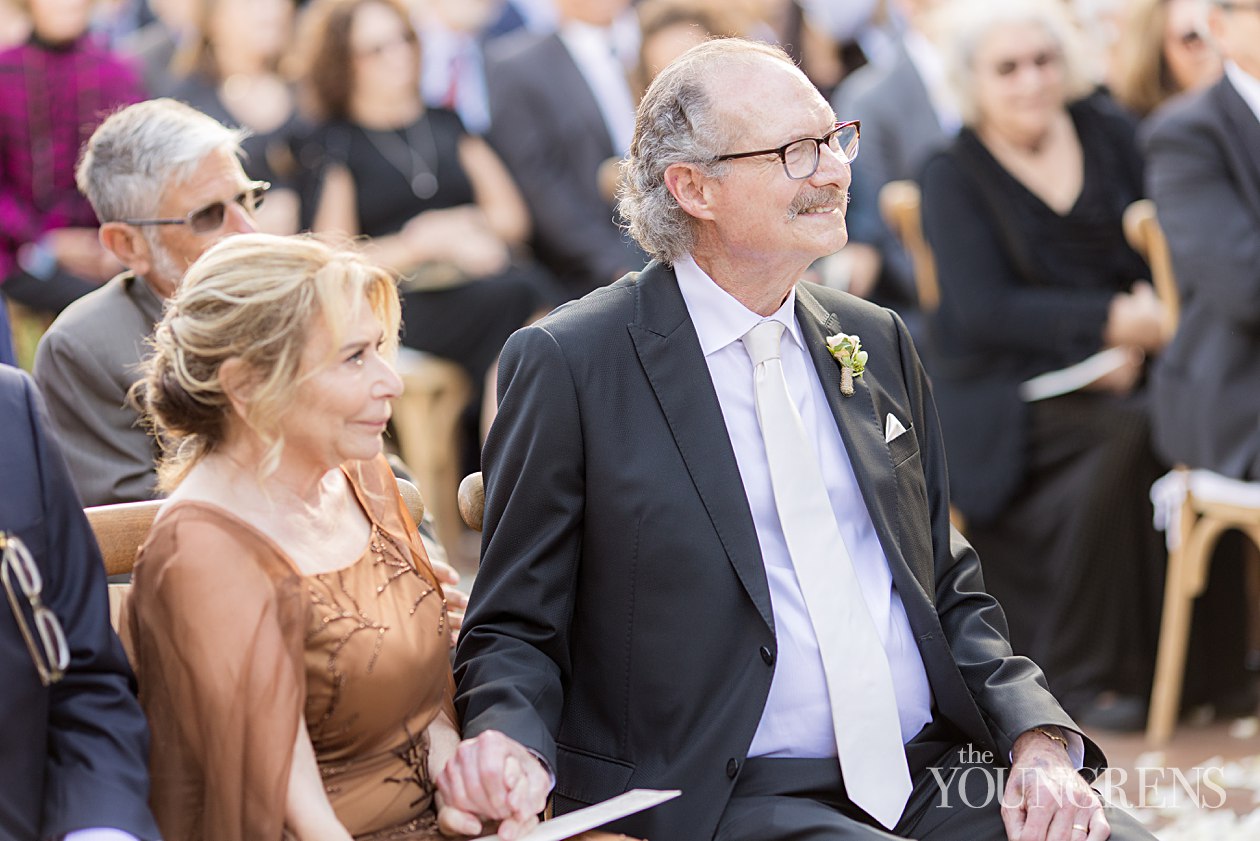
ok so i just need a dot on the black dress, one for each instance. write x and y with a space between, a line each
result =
398 174
1055 492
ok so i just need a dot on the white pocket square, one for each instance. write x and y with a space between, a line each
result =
892 428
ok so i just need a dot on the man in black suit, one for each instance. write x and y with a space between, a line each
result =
560 106
1203 172
75 744
645 615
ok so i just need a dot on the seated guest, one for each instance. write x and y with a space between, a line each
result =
907 114
166 182
230 72
1023 213
824 659
1203 171
289 635
57 87
560 105
72 759
436 202
1162 51
452 50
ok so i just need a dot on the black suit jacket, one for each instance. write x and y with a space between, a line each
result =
74 755
621 622
547 127
1203 172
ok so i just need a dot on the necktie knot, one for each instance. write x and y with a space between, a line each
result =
762 342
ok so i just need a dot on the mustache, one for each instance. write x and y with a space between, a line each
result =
818 197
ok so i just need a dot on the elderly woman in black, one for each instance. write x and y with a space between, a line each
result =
1023 212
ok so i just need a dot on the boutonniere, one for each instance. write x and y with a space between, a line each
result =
848 352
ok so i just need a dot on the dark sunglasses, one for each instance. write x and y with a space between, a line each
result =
210 218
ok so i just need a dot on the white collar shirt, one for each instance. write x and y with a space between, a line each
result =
1248 86
595 52
796 721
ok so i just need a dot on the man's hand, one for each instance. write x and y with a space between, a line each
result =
1046 799
456 600
492 777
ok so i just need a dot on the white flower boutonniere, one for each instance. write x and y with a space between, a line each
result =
848 352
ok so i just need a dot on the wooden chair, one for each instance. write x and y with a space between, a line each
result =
1142 230
1210 505
121 530
426 420
899 204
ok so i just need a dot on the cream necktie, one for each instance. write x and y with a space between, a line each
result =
859 680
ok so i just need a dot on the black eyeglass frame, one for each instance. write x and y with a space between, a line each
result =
1237 6
253 194
819 142
16 563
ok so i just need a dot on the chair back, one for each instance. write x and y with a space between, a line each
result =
1142 230
899 204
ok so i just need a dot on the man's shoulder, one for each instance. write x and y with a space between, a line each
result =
1189 112
110 312
593 315
518 50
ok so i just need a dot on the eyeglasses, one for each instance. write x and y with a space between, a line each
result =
1041 61
800 157
1235 6
1191 40
52 655
210 218
408 37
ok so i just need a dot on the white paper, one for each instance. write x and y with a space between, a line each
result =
1074 377
575 823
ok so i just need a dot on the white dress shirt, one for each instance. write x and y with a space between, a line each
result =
926 58
1248 86
797 717
595 51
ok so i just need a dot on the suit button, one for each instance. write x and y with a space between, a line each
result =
767 655
732 768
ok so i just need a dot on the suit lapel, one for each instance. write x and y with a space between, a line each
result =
862 431
670 353
1243 132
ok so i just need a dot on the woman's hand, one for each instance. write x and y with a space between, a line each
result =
457 235
1136 318
496 778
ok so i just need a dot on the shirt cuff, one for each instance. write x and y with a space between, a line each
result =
101 834
542 760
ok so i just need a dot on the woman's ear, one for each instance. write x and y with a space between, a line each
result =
238 384
690 187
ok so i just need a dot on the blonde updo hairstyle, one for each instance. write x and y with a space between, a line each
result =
254 298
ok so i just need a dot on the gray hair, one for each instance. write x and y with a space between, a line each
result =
141 149
675 124
969 22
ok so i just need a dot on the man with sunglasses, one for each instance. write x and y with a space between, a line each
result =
717 553
166 183
73 739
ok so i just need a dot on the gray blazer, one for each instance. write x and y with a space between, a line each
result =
84 366
547 127
621 622
900 131
1203 172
